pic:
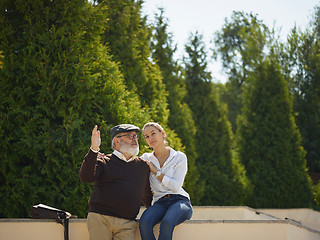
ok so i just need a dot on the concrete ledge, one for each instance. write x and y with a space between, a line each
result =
304 216
236 224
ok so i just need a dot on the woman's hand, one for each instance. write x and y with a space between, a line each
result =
152 167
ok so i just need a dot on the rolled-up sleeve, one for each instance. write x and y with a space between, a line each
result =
175 181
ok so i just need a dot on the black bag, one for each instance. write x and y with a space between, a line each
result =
42 211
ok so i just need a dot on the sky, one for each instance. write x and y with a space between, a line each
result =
208 16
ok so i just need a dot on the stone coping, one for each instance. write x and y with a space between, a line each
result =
81 220
273 220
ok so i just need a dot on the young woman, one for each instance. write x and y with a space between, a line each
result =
171 203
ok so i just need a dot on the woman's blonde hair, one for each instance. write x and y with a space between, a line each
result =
157 126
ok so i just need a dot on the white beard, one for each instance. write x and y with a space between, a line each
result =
127 148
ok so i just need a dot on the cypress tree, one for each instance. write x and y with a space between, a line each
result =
180 117
57 82
224 177
302 60
240 44
128 37
270 143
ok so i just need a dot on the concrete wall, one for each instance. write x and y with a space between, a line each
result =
225 213
229 223
229 213
306 217
190 230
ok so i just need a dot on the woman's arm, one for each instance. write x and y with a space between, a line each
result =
175 181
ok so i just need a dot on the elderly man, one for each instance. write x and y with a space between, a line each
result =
121 184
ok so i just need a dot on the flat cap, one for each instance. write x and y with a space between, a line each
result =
123 128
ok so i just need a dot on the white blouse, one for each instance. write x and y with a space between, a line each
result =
174 170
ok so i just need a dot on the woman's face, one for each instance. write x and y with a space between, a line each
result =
153 136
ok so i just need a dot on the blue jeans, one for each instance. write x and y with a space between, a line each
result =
170 210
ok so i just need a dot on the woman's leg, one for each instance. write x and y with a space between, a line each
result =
150 217
177 213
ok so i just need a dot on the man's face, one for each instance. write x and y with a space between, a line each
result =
129 143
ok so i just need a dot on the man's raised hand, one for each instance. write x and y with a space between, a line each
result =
95 139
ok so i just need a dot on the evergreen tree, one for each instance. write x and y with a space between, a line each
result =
128 37
57 82
240 44
225 181
1 56
180 117
303 62
269 142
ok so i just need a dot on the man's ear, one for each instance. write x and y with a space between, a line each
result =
116 141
